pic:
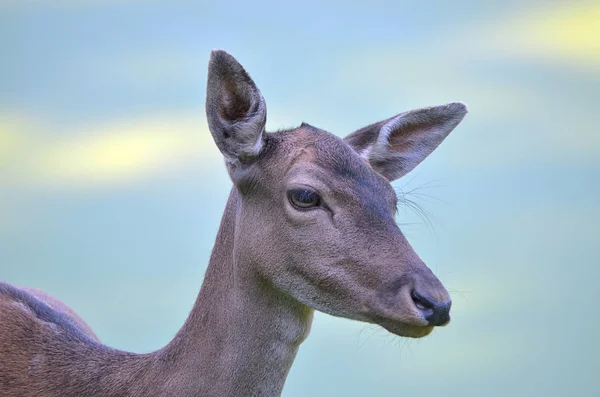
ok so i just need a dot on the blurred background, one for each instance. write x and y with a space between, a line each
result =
111 189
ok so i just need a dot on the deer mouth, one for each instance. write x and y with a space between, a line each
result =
401 321
406 329
401 318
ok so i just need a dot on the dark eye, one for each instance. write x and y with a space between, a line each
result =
304 198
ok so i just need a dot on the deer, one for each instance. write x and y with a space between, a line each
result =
309 225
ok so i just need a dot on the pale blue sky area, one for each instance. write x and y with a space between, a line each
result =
111 189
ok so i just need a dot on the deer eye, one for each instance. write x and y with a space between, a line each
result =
304 198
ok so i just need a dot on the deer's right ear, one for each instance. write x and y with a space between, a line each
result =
235 109
395 146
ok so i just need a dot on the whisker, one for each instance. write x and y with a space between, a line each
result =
408 198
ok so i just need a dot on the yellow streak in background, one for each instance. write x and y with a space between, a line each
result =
111 153
9 140
567 34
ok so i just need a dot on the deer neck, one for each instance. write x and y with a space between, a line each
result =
242 334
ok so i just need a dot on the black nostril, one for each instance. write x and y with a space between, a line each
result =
421 301
436 313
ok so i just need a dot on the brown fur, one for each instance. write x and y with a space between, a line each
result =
271 266
59 306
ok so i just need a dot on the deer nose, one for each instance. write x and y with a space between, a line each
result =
436 313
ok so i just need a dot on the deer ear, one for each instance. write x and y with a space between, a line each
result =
235 109
395 146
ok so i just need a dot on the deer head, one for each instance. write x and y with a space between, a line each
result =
315 218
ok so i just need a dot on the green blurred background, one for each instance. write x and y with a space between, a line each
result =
111 188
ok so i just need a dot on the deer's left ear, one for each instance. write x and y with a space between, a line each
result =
395 146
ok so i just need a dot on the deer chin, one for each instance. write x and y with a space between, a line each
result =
405 329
